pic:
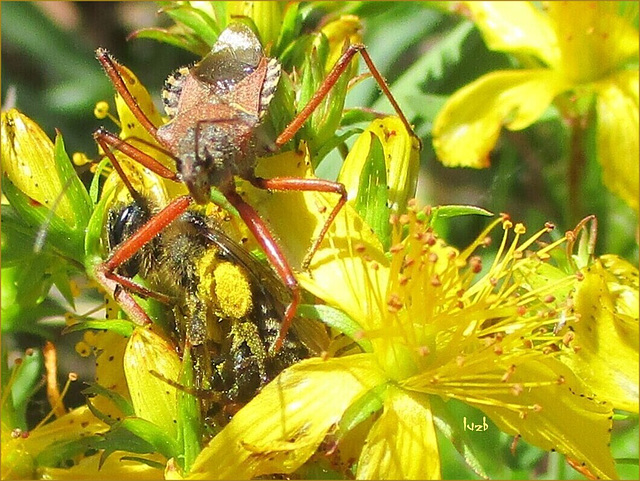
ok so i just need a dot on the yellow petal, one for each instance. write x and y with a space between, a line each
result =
109 348
402 443
595 37
344 29
467 127
606 335
283 426
617 135
153 399
131 128
558 415
401 156
341 271
76 424
136 134
28 161
516 27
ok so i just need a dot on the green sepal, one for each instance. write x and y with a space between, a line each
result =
25 383
94 188
93 245
363 408
189 422
219 199
155 436
332 143
120 326
336 319
63 283
354 116
325 119
153 464
57 455
123 405
76 191
447 211
372 200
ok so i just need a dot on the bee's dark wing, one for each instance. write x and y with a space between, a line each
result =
270 293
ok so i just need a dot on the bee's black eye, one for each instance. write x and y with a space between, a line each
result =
122 224
125 222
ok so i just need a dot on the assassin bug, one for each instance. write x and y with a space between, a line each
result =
216 109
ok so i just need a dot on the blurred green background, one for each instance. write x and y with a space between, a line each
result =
49 72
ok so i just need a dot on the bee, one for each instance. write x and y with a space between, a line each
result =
227 306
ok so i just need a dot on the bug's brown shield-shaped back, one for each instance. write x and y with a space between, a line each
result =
216 109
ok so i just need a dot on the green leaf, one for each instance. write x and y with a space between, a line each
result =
60 237
195 19
23 298
17 238
336 319
184 41
372 199
290 30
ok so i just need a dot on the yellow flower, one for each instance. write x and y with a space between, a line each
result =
584 50
431 332
66 448
41 184
601 343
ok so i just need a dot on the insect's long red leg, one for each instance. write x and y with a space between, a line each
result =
121 296
112 69
271 248
106 140
114 283
137 288
330 80
155 225
308 185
